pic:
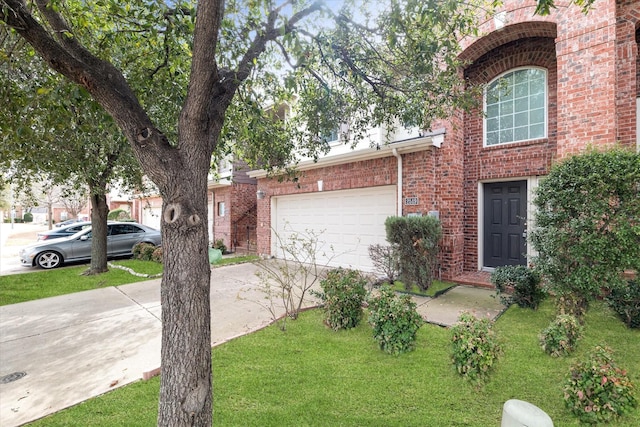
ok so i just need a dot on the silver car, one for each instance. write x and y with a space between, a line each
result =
121 238
64 231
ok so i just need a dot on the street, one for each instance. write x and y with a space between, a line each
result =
12 238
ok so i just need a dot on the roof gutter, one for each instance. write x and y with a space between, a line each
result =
411 145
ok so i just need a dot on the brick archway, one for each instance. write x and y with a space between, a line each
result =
510 33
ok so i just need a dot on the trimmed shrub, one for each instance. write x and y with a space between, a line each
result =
343 292
518 284
394 320
596 390
626 302
475 347
587 223
143 251
157 254
415 241
219 244
561 336
27 217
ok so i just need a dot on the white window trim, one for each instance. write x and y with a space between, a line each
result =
546 107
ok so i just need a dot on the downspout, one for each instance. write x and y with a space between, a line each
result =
213 213
399 157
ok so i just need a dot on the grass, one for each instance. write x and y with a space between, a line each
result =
236 260
310 375
15 288
436 288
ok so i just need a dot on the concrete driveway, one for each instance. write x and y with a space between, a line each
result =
78 346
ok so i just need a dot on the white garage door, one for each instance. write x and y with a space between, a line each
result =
348 220
151 217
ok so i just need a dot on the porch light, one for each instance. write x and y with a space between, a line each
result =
260 194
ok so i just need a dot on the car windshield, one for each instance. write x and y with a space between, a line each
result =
82 232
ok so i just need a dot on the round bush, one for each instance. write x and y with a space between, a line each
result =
157 255
343 295
143 251
475 347
562 335
596 390
518 284
394 320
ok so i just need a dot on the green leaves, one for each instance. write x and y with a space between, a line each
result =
474 347
597 390
343 293
394 320
587 222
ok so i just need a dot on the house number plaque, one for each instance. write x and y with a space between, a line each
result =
411 201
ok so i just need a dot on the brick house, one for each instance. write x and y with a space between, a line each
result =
231 200
234 207
554 84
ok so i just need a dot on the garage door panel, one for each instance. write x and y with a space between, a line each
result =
350 221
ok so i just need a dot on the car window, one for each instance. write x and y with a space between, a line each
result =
124 229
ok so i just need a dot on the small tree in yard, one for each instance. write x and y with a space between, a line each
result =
415 243
588 223
287 282
385 261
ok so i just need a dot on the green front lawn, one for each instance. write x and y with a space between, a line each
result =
23 287
310 375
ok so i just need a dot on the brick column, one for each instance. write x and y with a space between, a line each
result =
586 53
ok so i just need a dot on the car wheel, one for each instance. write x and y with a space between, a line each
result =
49 259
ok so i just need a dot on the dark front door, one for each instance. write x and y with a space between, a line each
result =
505 219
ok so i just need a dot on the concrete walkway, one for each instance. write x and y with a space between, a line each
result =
74 347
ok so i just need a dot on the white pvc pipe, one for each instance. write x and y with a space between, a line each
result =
399 157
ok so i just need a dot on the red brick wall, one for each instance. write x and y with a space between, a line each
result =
243 215
449 198
419 175
222 224
586 52
530 158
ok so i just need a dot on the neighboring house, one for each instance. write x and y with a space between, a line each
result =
232 207
555 84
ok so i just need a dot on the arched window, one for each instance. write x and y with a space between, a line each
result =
515 106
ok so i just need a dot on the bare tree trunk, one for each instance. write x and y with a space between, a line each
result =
99 212
186 397
50 215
